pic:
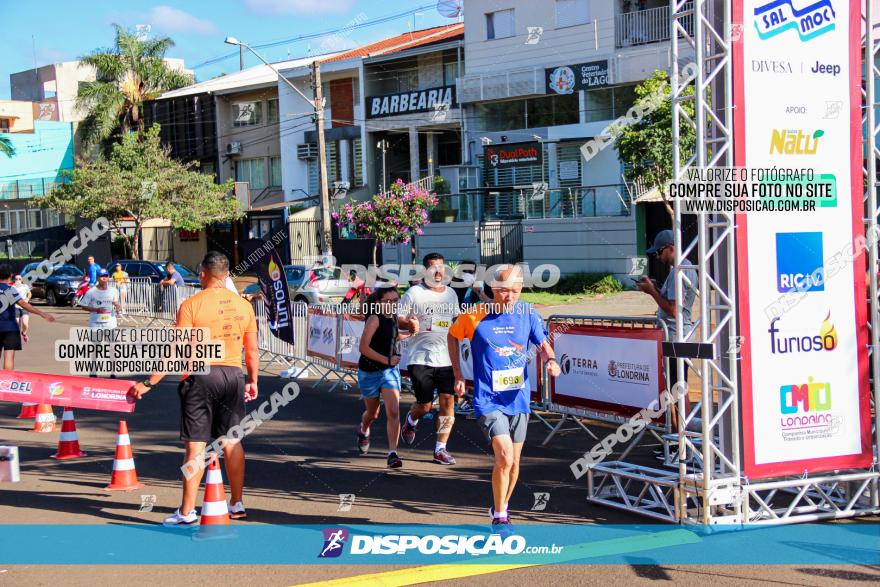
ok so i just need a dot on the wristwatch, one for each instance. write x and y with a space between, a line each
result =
147 384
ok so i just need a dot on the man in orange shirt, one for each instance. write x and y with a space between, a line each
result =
212 403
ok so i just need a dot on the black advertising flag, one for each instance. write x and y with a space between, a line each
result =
273 283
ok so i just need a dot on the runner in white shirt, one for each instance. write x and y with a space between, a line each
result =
435 306
102 303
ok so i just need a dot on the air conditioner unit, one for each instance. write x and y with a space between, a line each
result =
233 148
307 151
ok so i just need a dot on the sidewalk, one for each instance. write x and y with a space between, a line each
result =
626 303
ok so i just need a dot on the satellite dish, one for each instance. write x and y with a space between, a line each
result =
449 8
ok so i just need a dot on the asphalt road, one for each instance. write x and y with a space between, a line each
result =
298 465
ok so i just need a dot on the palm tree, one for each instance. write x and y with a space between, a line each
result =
6 147
127 75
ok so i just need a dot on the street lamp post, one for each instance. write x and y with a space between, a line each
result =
383 144
318 105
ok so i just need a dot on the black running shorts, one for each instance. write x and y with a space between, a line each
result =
426 379
10 340
211 404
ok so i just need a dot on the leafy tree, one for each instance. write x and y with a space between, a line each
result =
6 147
646 142
393 217
128 74
139 182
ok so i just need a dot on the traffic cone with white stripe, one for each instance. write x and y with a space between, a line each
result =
44 420
68 443
124 477
214 522
28 410
214 508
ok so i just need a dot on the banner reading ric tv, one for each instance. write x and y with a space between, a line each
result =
801 291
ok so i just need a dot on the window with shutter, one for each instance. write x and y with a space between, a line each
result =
572 12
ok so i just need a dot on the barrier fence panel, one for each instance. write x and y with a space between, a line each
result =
151 301
612 367
281 350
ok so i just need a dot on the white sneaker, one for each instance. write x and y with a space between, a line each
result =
178 519
236 511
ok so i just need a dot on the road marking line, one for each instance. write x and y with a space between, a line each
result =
430 573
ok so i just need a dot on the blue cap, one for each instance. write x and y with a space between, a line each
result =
103 273
663 239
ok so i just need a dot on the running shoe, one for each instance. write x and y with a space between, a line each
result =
363 443
178 519
408 432
394 461
237 511
502 526
442 457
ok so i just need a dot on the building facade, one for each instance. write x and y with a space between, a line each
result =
540 79
390 113
56 86
231 125
42 148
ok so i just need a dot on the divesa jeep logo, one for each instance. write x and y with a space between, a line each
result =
811 20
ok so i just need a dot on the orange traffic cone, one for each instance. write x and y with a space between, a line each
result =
214 509
28 410
68 443
124 477
214 522
44 421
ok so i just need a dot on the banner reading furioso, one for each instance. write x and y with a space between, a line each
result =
273 283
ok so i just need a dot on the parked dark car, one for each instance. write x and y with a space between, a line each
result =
57 289
154 270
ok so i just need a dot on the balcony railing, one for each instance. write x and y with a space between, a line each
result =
23 189
524 203
644 26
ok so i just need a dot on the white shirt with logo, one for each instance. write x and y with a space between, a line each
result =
101 298
435 311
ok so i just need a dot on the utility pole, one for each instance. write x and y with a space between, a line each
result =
241 57
326 234
317 102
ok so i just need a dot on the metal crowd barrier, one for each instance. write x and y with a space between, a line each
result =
295 357
575 414
151 303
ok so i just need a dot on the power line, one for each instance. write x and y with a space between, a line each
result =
307 37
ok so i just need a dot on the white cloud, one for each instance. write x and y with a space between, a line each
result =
174 20
304 7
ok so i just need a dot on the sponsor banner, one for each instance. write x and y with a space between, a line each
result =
88 393
350 340
610 370
802 310
568 79
512 155
434 544
411 102
273 284
322 334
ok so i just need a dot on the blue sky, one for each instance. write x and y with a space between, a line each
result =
64 30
